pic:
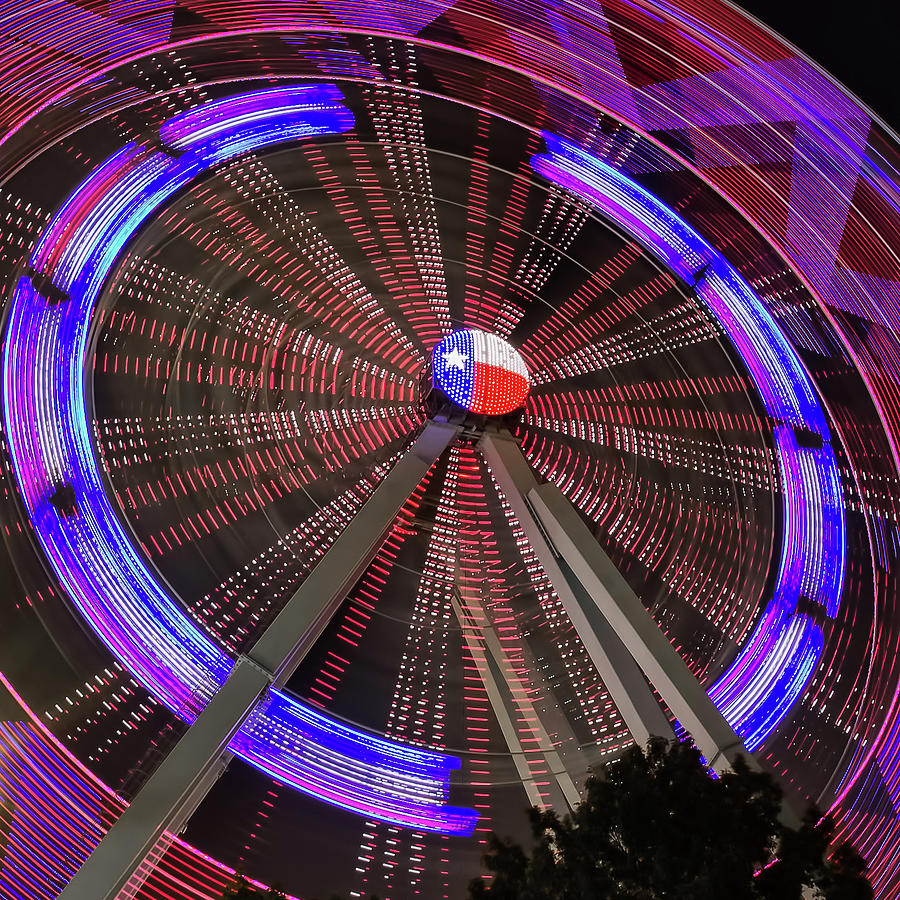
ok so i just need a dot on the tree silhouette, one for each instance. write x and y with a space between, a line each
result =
655 824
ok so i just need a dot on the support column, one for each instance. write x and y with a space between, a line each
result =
188 772
643 638
304 617
618 670
508 698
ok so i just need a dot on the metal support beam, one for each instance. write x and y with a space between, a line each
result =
188 772
508 700
643 638
304 617
502 710
618 670
109 868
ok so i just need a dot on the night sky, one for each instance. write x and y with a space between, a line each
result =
858 42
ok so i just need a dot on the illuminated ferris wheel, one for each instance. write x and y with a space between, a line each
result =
406 412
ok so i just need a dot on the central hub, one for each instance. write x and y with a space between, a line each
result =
480 372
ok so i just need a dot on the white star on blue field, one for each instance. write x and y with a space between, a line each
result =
456 360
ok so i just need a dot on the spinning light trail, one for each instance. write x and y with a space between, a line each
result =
253 366
93 556
777 662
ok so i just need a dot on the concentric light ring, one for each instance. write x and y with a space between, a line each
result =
50 443
776 663
77 251
61 47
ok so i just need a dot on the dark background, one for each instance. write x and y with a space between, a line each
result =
858 41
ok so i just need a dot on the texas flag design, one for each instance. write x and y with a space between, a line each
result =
480 372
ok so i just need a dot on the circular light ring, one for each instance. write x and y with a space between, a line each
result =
64 810
756 83
776 663
50 444
77 250
480 372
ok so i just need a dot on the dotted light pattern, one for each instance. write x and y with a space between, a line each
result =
480 372
480 577
87 546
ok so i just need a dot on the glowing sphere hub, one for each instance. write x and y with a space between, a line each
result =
480 372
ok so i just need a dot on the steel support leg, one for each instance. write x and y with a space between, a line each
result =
187 773
618 670
509 700
304 617
643 638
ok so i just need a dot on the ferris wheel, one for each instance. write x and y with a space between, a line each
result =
406 410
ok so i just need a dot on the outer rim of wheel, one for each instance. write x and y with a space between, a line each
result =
885 750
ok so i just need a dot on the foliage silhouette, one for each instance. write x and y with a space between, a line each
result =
654 824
